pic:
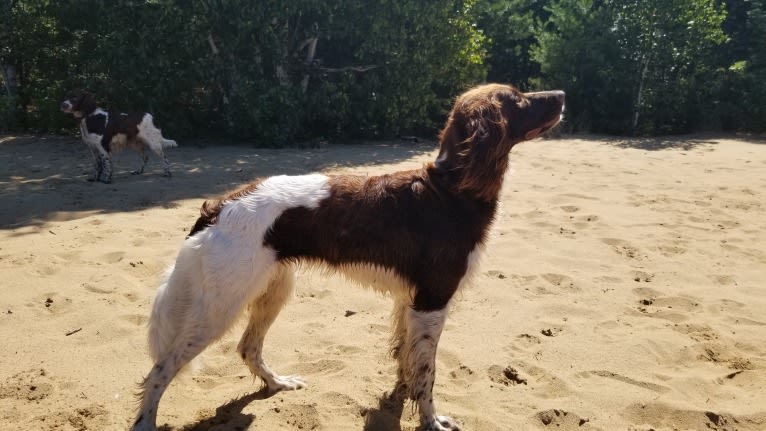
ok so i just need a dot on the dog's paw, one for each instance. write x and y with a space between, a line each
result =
441 423
286 383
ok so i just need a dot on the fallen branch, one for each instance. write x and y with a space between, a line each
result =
349 68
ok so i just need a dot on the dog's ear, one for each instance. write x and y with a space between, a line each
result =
472 143
87 103
484 153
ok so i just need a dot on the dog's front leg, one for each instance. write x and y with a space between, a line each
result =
418 357
96 163
105 172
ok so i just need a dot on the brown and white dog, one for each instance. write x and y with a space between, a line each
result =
414 234
105 133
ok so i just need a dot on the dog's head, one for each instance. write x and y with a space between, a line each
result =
483 126
78 103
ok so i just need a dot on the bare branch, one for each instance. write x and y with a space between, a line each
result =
349 68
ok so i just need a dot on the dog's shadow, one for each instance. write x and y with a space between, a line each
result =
387 415
229 417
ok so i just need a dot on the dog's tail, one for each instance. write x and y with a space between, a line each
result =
168 143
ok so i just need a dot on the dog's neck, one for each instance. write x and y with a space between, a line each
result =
479 175
83 115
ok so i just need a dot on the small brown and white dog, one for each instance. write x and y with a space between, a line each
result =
414 234
105 133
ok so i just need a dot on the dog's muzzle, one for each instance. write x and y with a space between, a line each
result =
66 106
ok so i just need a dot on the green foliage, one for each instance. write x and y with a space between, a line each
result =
640 67
577 52
9 113
242 69
511 26
275 72
744 89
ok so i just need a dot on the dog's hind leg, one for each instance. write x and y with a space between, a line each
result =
156 146
398 340
144 158
149 134
263 311
165 164
205 292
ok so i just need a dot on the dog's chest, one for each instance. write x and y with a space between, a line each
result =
90 139
93 127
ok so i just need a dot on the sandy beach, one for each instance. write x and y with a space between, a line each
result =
623 288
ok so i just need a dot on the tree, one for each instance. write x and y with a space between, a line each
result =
267 71
577 52
743 71
670 45
510 26
632 66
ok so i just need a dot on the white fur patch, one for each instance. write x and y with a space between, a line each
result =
152 136
225 266
474 261
93 140
258 210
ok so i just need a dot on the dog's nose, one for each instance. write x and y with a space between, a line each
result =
64 106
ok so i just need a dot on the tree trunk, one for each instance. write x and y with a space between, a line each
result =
9 79
312 44
640 96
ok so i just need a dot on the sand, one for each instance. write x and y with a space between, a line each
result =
623 288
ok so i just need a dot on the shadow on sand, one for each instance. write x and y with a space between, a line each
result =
229 416
679 142
44 178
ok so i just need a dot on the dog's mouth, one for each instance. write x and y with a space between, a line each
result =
66 107
545 127
553 123
547 104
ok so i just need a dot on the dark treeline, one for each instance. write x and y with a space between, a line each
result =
279 71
